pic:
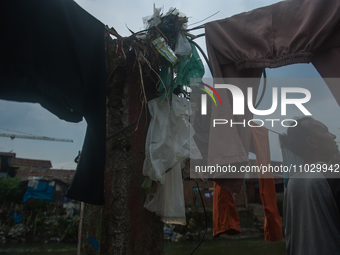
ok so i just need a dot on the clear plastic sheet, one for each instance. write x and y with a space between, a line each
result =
169 141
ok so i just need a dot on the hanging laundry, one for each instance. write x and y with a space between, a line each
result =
225 217
53 53
289 159
280 34
260 146
311 214
272 36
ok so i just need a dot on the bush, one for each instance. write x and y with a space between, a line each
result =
11 190
36 205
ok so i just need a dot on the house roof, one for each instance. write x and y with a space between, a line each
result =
23 162
28 174
9 154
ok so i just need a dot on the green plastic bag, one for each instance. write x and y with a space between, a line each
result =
189 68
186 69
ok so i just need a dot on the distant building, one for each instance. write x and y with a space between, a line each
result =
9 163
58 178
41 181
36 163
5 159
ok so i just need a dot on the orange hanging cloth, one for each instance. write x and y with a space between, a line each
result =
260 146
225 217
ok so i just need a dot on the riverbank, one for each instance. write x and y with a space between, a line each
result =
254 246
251 221
47 222
39 221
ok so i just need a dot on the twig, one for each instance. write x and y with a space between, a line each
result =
113 31
122 42
15 213
133 33
143 89
166 38
35 225
148 63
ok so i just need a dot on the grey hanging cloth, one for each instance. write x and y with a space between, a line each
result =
53 53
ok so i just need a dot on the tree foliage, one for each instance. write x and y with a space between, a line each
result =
10 190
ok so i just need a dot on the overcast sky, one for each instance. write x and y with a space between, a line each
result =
33 119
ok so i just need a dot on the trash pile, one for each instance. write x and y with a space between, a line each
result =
46 222
164 46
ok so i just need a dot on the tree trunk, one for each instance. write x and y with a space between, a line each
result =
122 225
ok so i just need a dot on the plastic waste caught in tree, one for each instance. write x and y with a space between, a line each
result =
94 242
169 141
183 46
189 68
154 19
180 61
165 50
168 199
170 137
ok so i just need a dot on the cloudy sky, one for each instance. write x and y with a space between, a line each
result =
33 119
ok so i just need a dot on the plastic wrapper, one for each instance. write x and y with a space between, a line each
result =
183 46
154 19
165 50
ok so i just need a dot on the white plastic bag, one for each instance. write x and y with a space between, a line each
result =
183 46
169 141
154 19
168 201
170 137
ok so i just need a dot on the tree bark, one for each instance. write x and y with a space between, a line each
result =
122 225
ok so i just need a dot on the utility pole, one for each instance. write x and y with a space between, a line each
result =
122 225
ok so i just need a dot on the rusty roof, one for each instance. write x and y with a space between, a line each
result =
22 162
27 174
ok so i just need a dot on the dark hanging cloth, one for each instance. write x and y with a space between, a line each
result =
53 53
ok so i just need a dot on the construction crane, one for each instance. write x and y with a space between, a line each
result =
44 138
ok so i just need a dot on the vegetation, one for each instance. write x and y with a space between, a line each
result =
11 190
